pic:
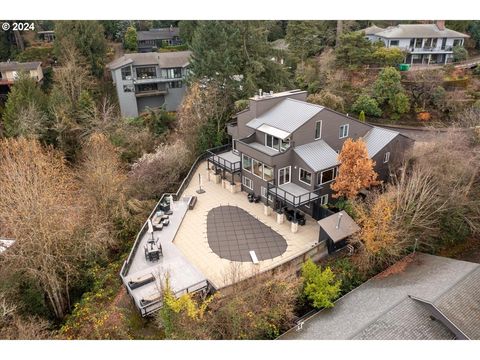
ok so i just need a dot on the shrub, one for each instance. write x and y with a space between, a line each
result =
327 99
361 116
367 105
459 53
320 287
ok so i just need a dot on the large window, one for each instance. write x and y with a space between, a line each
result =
394 42
418 43
247 183
343 131
272 142
172 73
305 176
146 72
434 42
457 42
147 88
127 73
318 129
428 43
284 175
257 168
247 163
326 176
267 173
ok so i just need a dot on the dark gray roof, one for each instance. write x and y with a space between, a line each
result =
158 34
163 60
17 66
347 226
377 138
318 155
409 31
288 115
370 312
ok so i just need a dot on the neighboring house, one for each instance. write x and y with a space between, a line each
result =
150 80
10 71
423 43
154 39
422 297
46 36
289 149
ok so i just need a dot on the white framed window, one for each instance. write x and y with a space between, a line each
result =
257 168
305 176
263 191
318 129
247 183
343 131
324 199
386 158
272 142
267 173
284 175
327 176
247 163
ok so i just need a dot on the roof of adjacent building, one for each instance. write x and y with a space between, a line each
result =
318 155
163 60
279 44
377 138
346 227
417 30
158 34
381 308
288 115
372 30
17 66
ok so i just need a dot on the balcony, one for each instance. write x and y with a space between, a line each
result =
147 93
430 49
293 194
260 152
223 158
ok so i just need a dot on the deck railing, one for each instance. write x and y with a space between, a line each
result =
291 199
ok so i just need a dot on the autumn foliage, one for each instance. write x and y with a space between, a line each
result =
355 171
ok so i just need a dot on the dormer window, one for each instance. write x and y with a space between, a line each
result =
275 143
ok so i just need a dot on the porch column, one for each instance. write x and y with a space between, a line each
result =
429 58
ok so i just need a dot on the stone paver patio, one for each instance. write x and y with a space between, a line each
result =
192 240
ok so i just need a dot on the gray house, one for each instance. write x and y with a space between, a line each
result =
153 39
423 43
150 80
288 150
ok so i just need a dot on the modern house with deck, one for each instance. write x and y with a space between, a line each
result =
153 39
10 72
150 80
423 43
285 151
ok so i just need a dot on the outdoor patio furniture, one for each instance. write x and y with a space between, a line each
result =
256 199
169 212
251 196
166 222
153 251
140 281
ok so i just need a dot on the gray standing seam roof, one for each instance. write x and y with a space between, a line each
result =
318 155
288 115
377 138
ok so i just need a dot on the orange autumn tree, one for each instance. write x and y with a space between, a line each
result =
355 171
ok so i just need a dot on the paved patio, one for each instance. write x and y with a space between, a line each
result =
192 240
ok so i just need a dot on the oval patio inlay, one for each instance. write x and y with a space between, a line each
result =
232 233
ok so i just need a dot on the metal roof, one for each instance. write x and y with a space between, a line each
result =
377 138
318 155
163 60
270 130
346 228
418 30
288 115
17 66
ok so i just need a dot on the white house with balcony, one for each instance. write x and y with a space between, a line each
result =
423 43
150 80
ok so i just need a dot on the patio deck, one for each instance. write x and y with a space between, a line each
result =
182 274
192 239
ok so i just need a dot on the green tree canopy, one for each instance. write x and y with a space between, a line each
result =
367 105
307 38
89 39
25 97
130 41
354 50
236 54
320 287
388 89
459 53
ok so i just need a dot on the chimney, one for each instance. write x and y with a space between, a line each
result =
440 24
338 220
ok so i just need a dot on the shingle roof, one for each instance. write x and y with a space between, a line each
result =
377 138
418 30
163 60
318 155
372 30
158 34
288 115
17 66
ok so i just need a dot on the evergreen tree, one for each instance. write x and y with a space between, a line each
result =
130 41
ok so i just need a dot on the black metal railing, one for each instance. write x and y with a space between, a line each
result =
217 160
291 199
